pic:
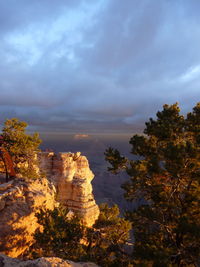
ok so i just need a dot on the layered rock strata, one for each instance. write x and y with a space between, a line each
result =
19 201
72 177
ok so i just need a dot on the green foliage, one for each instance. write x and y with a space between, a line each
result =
116 160
60 236
109 237
167 178
67 238
21 146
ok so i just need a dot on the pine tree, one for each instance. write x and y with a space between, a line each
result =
165 180
21 146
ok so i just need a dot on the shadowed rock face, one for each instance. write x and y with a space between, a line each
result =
72 177
42 262
19 201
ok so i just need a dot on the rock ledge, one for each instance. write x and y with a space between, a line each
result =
41 262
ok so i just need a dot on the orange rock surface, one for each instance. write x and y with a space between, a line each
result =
72 177
19 201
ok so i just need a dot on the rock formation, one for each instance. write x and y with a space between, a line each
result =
68 178
42 262
72 177
19 201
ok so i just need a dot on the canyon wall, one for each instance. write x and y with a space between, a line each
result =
72 177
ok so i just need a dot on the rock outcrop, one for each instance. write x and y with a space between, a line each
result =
68 180
19 201
72 177
42 262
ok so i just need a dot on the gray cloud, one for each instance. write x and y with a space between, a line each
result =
97 65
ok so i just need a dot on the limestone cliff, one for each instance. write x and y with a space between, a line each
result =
42 262
72 177
19 201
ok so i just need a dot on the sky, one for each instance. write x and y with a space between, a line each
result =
97 66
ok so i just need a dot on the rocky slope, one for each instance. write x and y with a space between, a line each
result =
19 201
41 262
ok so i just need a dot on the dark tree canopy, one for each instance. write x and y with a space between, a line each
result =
166 177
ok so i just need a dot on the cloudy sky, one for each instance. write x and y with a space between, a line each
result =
91 66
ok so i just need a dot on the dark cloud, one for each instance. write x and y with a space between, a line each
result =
97 66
